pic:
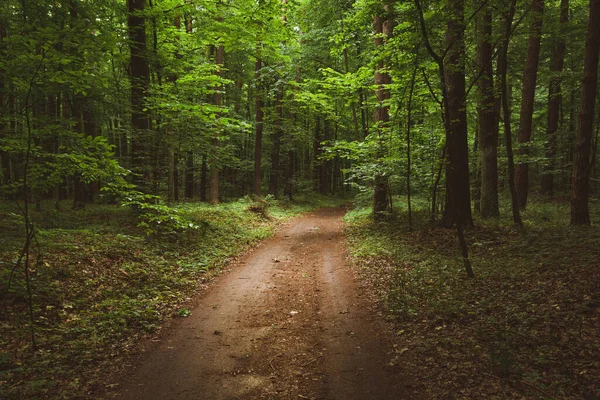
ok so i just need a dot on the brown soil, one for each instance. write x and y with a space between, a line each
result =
288 321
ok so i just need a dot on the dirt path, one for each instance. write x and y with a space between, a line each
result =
287 322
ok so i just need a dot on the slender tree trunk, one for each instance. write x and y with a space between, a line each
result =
289 174
502 69
189 175
580 214
436 184
317 162
277 134
324 165
218 101
363 114
259 130
487 117
203 179
176 177
557 62
409 123
171 174
527 100
140 82
4 156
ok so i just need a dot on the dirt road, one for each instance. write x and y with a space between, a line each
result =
288 321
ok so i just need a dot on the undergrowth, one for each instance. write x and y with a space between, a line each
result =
104 280
528 325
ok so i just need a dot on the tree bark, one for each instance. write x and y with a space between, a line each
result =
203 179
217 101
557 62
289 173
527 100
458 198
487 117
277 134
171 174
4 156
409 123
189 175
502 71
140 82
324 165
259 130
580 214
383 27
317 162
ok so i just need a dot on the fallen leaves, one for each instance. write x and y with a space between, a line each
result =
527 327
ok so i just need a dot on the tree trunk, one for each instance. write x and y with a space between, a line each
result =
409 123
580 214
259 130
289 174
317 162
487 118
176 178
189 175
557 62
324 165
217 101
383 27
527 100
171 174
458 198
502 70
203 178
4 156
140 82
277 134
363 114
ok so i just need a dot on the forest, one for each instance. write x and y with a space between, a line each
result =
146 145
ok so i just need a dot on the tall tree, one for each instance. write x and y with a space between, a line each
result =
217 101
527 100
509 15
277 134
458 198
4 155
487 116
259 103
383 29
140 82
580 214
557 62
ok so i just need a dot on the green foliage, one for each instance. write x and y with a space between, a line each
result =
155 217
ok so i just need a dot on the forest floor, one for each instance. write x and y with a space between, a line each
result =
526 327
287 321
120 314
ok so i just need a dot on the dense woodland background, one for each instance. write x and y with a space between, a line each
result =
428 113
216 100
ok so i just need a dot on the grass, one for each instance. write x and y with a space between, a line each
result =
528 325
101 284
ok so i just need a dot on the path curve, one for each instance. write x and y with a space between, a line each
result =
288 321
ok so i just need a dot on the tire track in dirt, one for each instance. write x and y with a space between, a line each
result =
287 322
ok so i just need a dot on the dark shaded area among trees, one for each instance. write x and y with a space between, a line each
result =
221 99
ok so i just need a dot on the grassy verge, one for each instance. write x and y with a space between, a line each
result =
528 325
100 284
